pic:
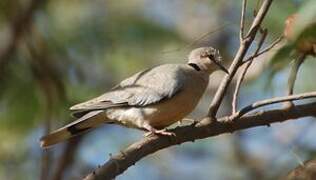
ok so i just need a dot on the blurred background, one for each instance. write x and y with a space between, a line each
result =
54 54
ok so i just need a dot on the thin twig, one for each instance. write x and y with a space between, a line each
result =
297 157
259 18
243 48
152 144
242 76
292 78
271 101
272 45
199 38
255 11
293 74
242 21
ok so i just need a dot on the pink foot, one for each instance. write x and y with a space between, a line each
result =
162 132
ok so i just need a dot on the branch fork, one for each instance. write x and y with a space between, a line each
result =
211 126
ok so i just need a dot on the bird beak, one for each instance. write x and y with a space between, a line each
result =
221 67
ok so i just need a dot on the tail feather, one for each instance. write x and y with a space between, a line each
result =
55 137
83 124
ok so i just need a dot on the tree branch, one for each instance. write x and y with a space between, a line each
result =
243 48
242 20
293 73
272 45
271 101
242 75
128 157
292 77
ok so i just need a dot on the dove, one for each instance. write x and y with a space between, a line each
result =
150 100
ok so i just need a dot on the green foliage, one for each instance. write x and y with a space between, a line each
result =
306 20
304 29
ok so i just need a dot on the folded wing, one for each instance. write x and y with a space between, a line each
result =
144 88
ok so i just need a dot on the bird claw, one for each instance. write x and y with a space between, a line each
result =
162 132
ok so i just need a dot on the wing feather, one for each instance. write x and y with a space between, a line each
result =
144 88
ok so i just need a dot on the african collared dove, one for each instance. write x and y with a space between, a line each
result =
149 100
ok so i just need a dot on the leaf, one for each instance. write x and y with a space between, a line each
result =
304 30
308 33
306 20
304 33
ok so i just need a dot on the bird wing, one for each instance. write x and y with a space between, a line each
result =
144 88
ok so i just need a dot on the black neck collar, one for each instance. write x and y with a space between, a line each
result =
195 66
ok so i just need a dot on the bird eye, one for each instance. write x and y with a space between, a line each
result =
211 56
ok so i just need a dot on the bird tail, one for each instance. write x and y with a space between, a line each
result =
83 124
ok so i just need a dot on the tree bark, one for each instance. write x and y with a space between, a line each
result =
204 129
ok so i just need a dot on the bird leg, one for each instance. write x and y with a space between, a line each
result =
151 130
164 132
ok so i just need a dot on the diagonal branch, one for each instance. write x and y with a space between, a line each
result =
242 20
128 157
237 61
242 76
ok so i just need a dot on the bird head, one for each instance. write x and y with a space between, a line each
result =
206 59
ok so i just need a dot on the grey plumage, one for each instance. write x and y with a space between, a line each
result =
144 88
151 100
